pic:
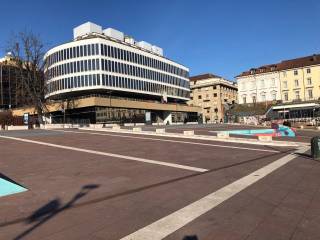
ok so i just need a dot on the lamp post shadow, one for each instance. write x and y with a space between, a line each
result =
52 209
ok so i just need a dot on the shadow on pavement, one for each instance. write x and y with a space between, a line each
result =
143 188
52 209
191 237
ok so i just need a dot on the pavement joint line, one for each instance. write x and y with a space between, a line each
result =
204 137
178 219
173 165
175 141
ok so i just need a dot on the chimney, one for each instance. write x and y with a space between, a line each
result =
314 57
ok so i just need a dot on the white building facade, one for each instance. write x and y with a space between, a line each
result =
101 61
258 87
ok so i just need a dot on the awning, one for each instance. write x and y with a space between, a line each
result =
296 106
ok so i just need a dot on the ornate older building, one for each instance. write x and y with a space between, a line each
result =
214 95
288 81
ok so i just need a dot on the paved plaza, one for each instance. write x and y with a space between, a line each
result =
91 184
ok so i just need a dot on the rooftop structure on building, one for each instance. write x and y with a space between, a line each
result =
89 29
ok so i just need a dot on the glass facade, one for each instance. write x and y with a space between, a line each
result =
109 67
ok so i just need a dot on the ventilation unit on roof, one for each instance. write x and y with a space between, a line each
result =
85 29
110 32
157 50
314 57
129 40
145 45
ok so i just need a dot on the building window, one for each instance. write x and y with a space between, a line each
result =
296 83
284 74
309 81
253 85
295 72
263 97
262 83
297 93
285 96
199 97
244 99
285 84
273 82
254 99
215 95
274 96
308 70
310 93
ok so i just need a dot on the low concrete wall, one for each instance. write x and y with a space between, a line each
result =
128 124
53 126
192 122
177 123
100 125
158 124
17 127
133 124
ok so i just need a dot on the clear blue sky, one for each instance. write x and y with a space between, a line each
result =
222 37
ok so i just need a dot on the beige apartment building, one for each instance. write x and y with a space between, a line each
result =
214 95
292 80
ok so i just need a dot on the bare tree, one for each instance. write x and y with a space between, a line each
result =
27 52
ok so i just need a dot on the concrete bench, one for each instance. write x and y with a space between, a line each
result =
265 138
136 129
160 130
17 127
188 133
222 135
116 127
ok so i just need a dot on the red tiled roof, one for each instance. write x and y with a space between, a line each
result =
283 65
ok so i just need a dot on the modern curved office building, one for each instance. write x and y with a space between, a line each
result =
108 64
97 62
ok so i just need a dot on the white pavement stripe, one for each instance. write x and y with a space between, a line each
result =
171 223
174 141
110 154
